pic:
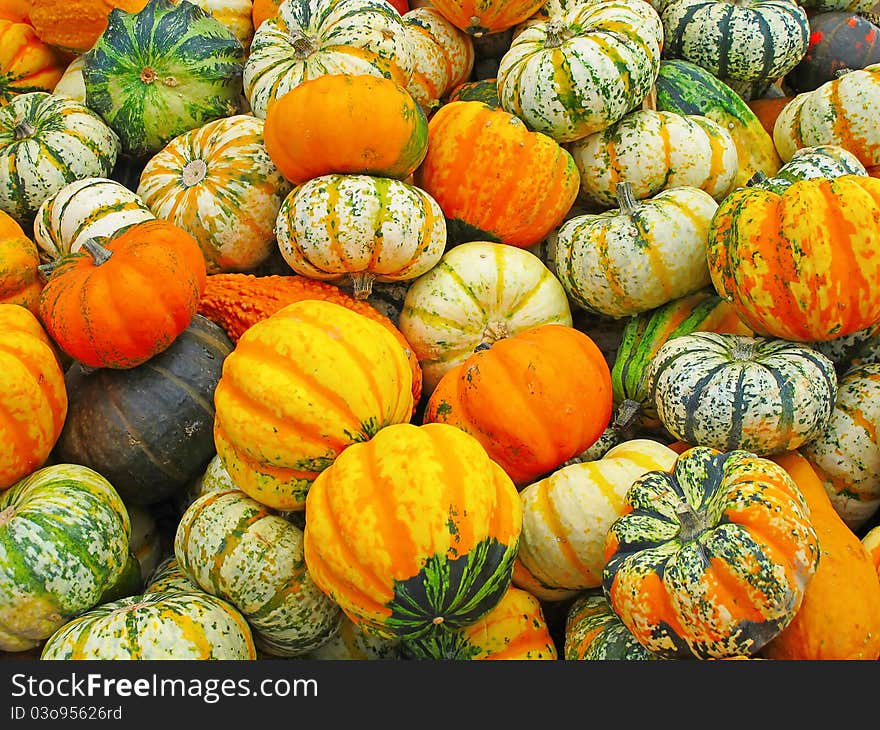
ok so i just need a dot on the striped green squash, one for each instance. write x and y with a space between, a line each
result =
160 625
725 391
580 72
47 141
686 88
240 550
809 162
162 71
593 632
169 576
93 207
64 537
747 40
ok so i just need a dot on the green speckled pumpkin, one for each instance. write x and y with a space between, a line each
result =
169 576
64 535
593 632
808 162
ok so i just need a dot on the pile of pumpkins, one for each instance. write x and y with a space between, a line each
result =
366 329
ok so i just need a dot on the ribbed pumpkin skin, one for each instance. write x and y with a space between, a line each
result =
20 280
344 376
514 630
158 625
713 559
810 162
239 550
724 391
479 18
155 261
425 555
800 264
581 72
26 63
47 141
478 292
218 183
846 455
346 123
636 257
92 207
566 515
751 40
64 536
33 397
593 632
360 228
71 84
163 71
169 576
494 179
148 429
533 399
840 112
311 38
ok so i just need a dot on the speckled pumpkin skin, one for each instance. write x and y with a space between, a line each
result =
593 632
713 559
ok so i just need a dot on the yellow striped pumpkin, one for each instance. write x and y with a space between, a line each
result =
566 516
299 388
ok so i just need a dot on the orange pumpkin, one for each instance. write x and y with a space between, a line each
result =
20 280
75 25
767 109
33 397
346 123
26 63
18 11
479 17
263 10
871 543
532 400
117 305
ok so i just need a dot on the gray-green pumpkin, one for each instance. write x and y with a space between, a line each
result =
162 71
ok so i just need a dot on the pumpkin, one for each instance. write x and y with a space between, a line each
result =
262 10
840 614
567 514
218 183
533 399
484 18
360 228
235 15
579 73
221 538
71 84
129 582
346 123
351 642
310 38
484 90
148 428
26 63
344 378
593 632
237 301
47 141
815 7
728 392
858 348
767 109
871 543
839 112
638 256
150 87
92 207
655 151
425 556
800 264
33 397
809 162
154 261
712 559
478 292
494 179
846 455
75 25
158 625
20 280
169 576
15 10
64 537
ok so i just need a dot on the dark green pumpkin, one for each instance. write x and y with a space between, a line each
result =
148 429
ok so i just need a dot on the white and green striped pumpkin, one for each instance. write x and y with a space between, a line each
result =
654 151
160 625
827 6
593 632
240 550
93 207
219 184
169 576
215 478
162 71
360 228
47 141
809 162
479 292
728 392
71 84
310 38
846 455
842 112
746 40
638 256
858 348
580 72
64 537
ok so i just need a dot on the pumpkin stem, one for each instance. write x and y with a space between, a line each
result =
626 414
148 75
47 269
362 283
626 200
756 179
692 524
494 331
475 28
303 46
557 33
99 254
6 515
23 128
743 349
194 172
